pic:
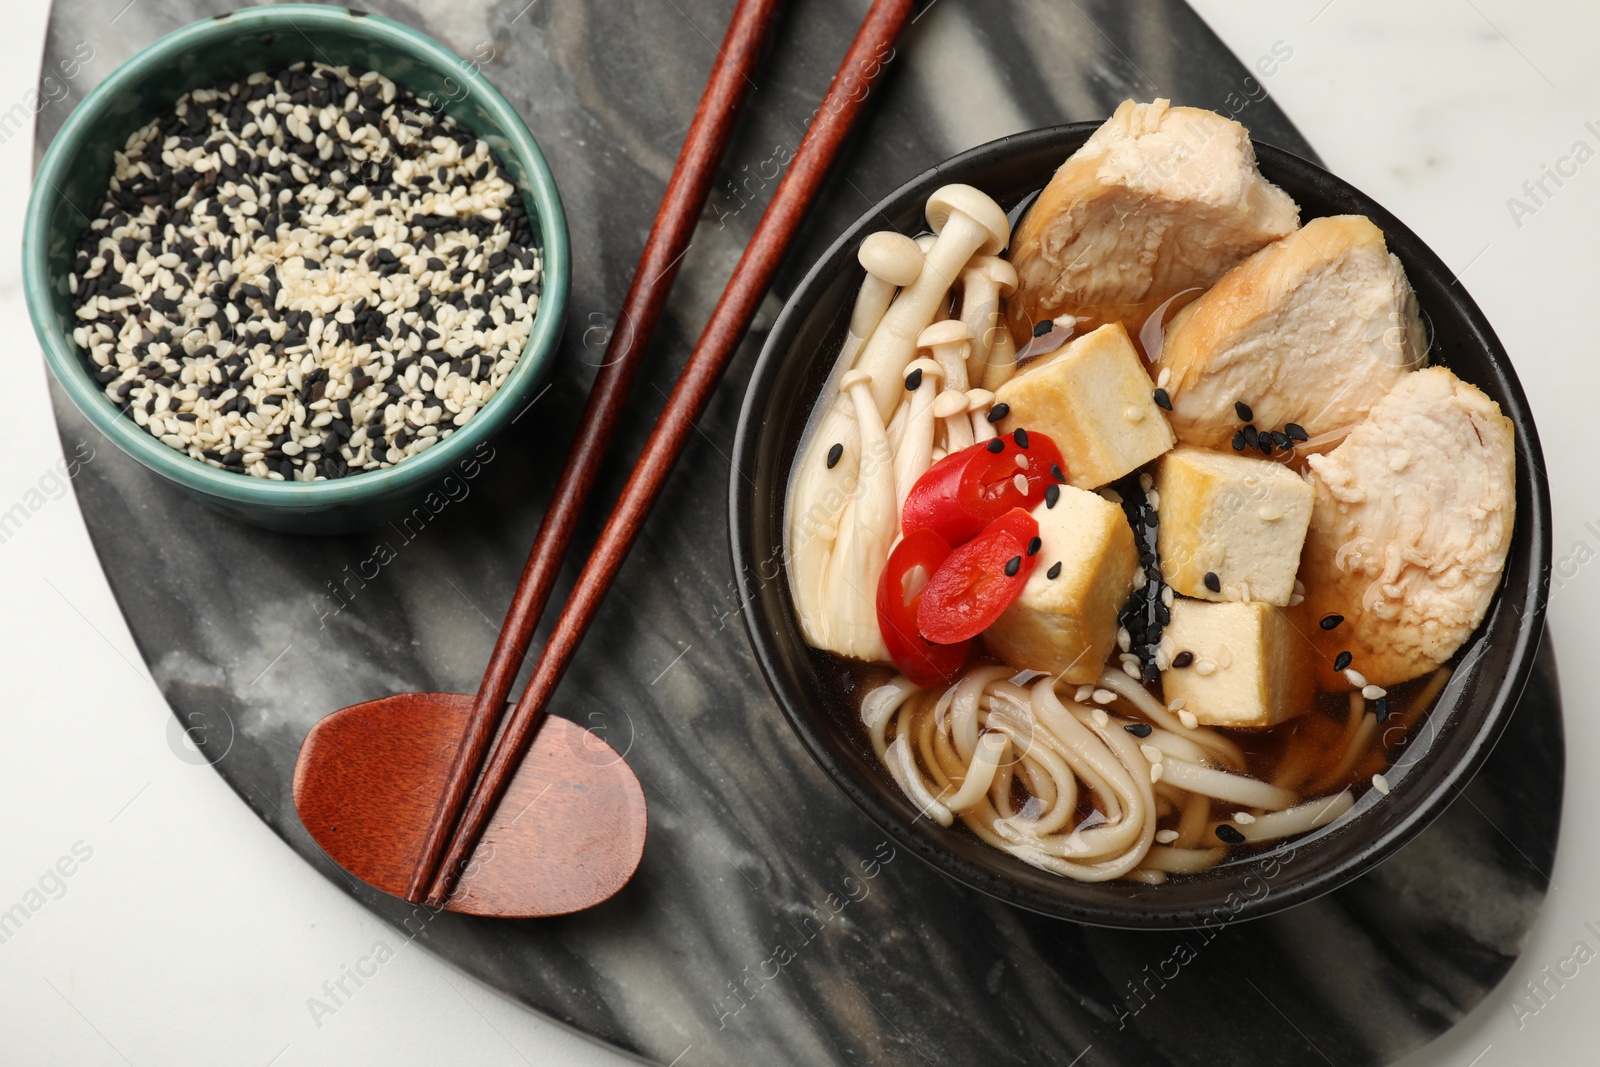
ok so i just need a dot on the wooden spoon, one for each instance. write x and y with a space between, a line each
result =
493 865
568 836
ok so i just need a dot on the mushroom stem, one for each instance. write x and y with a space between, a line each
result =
1002 362
897 426
951 409
966 221
984 283
866 532
952 357
979 401
914 454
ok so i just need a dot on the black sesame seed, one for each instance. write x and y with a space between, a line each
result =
1238 441
1229 834
914 379
1250 436
1052 493
1282 440
1013 565
1139 729
998 412
1342 660
1034 545
1183 659
1328 622
1213 583
1020 437
1380 708
834 453
1042 327
1296 432
1163 401
1054 572
1264 443
997 445
1241 409
1057 473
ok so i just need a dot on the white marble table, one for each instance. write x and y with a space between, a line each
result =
158 953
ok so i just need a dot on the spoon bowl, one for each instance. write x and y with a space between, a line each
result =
567 836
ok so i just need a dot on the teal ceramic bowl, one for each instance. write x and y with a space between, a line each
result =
73 177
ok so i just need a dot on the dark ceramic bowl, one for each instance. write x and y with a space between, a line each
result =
1448 748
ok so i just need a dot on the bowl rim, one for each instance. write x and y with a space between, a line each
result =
70 366
1291 890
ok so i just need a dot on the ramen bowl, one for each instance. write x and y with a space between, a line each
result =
812 688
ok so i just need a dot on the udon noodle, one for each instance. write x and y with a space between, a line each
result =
969 752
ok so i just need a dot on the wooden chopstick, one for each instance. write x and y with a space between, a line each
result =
670 234
863 64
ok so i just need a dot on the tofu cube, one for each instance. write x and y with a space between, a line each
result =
1066 625
1253 663
1242 519
1095 401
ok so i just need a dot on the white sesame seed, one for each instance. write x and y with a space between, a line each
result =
1155 772
1243 818
1166 837
1103 696
1204 667
1374 692
1188 719
1100 717
1355 677
1151 753
1084 693
1381 784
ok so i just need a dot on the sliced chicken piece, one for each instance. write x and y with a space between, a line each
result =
1313 329
1160 199
1410 527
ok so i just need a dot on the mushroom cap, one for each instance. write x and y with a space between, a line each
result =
947 332
853 378
930 368
979 399
949 403
976 205
997 270
894 257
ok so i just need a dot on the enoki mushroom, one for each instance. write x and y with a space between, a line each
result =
1019 764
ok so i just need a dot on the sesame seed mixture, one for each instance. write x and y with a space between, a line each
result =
304 275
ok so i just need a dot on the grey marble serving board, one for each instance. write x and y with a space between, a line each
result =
769 922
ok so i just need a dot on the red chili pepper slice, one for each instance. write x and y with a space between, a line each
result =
967 490
911 564
979 580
